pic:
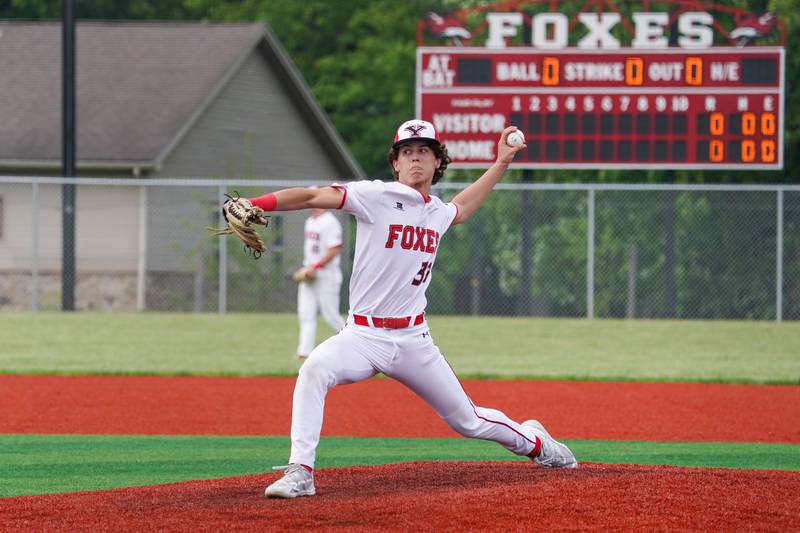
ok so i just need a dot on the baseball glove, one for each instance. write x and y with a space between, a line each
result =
241 215
304 274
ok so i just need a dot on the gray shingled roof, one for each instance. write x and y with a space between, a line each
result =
140 85
137 84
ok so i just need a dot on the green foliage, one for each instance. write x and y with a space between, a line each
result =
100 9
735 283
559 271
790 14
367 113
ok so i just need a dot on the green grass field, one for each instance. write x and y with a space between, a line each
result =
40 464
263 344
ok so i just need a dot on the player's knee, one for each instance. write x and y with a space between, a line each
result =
316 370
466 424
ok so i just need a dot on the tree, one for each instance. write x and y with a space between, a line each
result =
357 57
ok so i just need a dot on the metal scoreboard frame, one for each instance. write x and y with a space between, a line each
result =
625 108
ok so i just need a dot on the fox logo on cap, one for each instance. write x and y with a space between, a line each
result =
416 130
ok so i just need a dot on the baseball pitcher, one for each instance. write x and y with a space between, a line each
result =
400 226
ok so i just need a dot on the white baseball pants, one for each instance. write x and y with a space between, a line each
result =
319 296
408 355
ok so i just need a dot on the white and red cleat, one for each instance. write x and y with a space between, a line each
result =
552 454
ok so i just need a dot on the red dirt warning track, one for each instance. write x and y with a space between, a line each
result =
384 408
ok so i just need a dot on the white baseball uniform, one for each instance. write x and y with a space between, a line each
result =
321 294
398 235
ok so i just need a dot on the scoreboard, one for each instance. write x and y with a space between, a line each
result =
715 108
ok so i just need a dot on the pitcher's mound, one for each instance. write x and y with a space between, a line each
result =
437 496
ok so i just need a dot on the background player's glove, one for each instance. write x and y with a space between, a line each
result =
241 215
304 274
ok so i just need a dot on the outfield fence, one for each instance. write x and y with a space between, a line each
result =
566 250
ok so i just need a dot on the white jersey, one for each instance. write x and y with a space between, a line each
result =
398 234
321 234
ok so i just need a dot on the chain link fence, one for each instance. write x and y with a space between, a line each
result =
574 250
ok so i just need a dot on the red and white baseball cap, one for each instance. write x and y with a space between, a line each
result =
415 130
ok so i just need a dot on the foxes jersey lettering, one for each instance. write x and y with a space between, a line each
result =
398 235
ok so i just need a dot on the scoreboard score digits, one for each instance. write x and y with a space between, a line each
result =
718 108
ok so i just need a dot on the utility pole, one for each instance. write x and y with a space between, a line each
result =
524 307
68 159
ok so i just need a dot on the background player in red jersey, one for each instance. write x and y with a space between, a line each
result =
399 230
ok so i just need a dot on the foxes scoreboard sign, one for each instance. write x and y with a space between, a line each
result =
633 108
601 105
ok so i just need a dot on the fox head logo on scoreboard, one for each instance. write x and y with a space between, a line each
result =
598 25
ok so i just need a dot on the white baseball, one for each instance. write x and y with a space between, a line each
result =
515 138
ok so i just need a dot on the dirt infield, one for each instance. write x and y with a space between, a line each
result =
384 408
437 497
497 496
